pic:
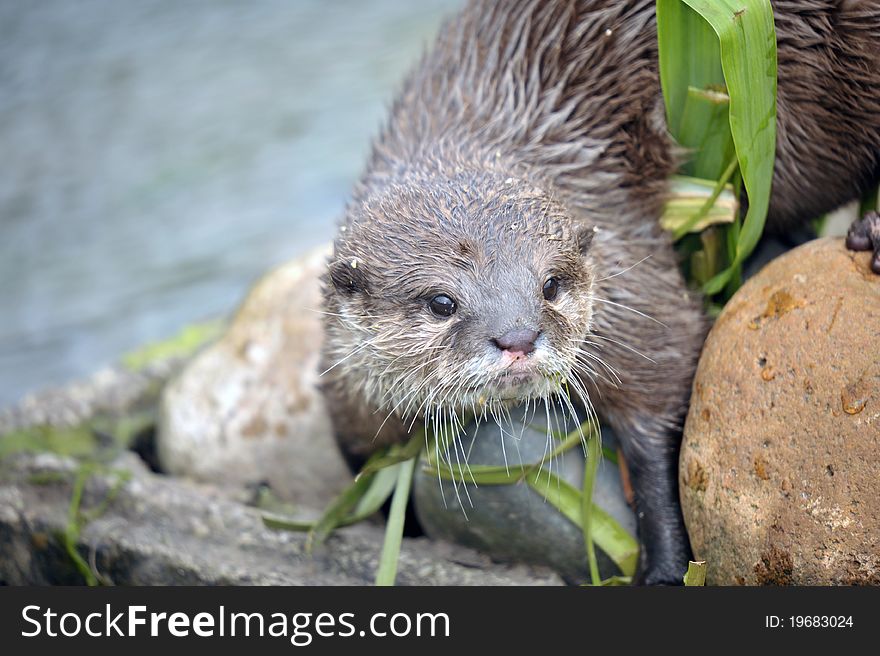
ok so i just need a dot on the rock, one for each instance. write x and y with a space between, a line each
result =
514 523
247 410
780 479
161 530
112 392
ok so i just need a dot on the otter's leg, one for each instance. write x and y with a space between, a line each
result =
646 411
648 330
360 430
864 235
651 453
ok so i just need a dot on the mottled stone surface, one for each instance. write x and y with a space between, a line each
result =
780 472
113 391
247 409
160 530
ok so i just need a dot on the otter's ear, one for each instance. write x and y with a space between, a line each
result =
348 276
584 234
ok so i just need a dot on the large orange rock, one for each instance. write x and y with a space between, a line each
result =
780 465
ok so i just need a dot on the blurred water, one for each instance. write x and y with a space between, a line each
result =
158 155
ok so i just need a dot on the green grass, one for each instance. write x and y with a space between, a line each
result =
718 74
78 518
189 340
390 472
387 571
77 441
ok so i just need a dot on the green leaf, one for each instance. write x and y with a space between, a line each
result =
338 511
695 204
747 38
611 537
387 572
707 47
396 454
612 581
380 488
378 492
279 523
705 129
689 59
609 455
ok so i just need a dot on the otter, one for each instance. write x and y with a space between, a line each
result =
503 243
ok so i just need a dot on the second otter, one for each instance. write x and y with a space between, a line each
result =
503 245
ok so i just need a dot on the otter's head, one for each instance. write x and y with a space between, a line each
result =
461 292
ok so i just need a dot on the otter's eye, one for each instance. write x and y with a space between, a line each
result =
551 288
442 305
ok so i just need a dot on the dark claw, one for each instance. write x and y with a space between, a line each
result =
864 235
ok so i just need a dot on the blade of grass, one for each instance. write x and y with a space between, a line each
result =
594 451
704 262
735 281
77 518
493 473
387 572
616 580
609 454
619 545
74 526
377 494
396 454
611 537
374 496
338 511
361 499
280 523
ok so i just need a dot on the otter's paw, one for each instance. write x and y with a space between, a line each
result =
864 235
659 576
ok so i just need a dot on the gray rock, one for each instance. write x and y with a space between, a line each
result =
247 409
165 531
114 392
513 523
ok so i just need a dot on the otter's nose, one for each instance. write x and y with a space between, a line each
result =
521 340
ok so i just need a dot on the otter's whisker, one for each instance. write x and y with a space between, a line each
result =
619 343
626 307
461 481
334 314
359 347
620 273
595 358
439 477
